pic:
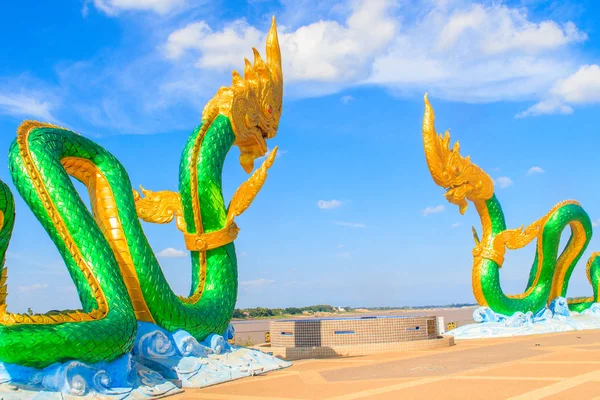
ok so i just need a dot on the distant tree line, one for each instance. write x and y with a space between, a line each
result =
453 305
261 312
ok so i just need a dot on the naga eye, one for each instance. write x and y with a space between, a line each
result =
270 109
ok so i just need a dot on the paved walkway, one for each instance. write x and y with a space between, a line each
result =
557 366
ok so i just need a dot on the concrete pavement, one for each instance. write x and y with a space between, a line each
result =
556 366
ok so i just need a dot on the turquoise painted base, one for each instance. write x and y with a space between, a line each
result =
161 364
555 318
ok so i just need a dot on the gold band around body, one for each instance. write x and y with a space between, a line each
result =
211 240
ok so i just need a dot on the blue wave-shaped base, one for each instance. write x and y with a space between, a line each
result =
554 318
160 364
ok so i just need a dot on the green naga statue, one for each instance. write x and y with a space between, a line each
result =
115 271
551 270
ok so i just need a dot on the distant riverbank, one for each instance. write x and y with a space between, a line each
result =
326 310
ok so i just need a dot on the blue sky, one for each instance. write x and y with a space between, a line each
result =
349 214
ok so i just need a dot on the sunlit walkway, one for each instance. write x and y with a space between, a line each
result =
557 366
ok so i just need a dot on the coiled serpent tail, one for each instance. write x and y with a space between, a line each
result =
105 327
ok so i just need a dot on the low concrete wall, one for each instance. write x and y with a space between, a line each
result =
297 353
351 331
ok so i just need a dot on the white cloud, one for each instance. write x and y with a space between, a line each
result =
458 50
347 99
32 288
322 51
340 246
350 224
26 105
113 7
503 182
256 283
476 53
456 225
499 29
432 210
545 107
328 204
596 223
222 50
170 252
581 87
535 170
330 51
462 51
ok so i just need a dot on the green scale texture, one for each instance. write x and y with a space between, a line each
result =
39 345
539 296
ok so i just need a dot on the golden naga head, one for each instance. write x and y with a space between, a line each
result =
462 179
253 103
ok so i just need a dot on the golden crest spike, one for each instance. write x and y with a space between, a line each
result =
144 191
274 54
271 159
258 61
431 142
428 119
248 70
236 78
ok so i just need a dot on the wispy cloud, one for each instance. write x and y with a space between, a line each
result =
544 107
503 182
113 7
328 204
535 170
456 224
432 210
596 223
170 252
280 153
257 283
27 105
350 224
347 99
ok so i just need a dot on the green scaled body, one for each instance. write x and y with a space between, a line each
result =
38 344
116 274
545 270
465 183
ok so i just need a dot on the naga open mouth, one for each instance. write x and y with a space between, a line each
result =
457 195
455 186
